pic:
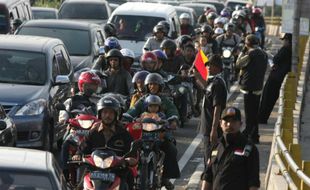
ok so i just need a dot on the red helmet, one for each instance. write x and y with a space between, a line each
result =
148 57
257 11
88 77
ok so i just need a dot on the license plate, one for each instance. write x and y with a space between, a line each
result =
82 132
110 177
146 135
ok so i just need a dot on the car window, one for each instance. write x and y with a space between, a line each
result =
55 68
77 42
24 180
61 60
131 27
84 11
44 14
20 11
22 67
2 113
100 38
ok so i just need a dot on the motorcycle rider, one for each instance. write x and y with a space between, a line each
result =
186 27
109 29
158 37
260 23
109 132
128 59
154 84
140 90
118 79
88 83
207 31
229 38
174 62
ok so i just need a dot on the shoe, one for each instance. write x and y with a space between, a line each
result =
166 183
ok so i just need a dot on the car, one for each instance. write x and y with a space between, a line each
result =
35 75
93 11
233 3
44 13
188 10
198 7
139 19
83 40
13 9
8 134
22 168
218 5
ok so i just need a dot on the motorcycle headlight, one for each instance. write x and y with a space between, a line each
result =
32 108
103 163
226 53
86 124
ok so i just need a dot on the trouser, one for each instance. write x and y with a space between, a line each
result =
207 144
269 98
64 154
171 167
251 106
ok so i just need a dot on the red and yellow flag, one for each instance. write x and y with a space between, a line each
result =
200 61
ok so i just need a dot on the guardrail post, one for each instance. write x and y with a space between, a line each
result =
295 151
306 170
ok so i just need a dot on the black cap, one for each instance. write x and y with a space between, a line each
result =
231 113
287 36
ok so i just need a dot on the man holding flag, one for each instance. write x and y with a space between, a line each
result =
215 94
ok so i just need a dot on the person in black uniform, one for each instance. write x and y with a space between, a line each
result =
233 163
214 101
282 62
252 63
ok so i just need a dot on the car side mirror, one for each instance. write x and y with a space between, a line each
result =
62 79
2 125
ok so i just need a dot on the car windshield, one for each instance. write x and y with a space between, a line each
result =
84 11
77 41
14 180
22 67
198 9
134 27
232 5
44 14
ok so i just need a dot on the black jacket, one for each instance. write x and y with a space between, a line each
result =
252 73
283 62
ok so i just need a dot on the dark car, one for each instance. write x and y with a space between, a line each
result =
8 132
35 75
93 11
82 40
44 13
27 169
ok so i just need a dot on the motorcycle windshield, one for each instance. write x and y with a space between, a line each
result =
150 127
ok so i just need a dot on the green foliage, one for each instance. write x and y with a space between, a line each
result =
47 3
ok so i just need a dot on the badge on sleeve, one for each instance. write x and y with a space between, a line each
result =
239 152
214 153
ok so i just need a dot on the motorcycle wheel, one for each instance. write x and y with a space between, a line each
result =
144 177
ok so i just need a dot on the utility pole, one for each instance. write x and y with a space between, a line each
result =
295 40
272 8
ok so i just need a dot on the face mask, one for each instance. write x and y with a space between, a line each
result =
230 137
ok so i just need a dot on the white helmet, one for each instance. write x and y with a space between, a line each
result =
220 20
219 31
128 53
185 16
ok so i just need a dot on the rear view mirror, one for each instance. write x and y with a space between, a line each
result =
2 125
62 79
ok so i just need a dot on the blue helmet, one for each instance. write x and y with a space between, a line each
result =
160 54
111 43
140 75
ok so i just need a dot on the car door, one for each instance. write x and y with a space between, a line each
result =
59 92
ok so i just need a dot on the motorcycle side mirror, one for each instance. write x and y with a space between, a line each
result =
60 106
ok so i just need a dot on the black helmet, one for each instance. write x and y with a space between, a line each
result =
229 25
154 78
206 28
109 30
152 100
165 24
212 15
182 40
114 53
159 28
168 44
17 22
108 103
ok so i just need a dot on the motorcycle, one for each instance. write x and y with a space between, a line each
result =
259 31
228 66
104 169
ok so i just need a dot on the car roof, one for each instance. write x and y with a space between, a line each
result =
144 9
43 9
182 8
83 1
197 4
59 23
25 159
22 42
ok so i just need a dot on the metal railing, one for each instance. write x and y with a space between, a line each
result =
273 21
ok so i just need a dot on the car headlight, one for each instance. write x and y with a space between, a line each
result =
226 53
32 108
103 163
86 124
